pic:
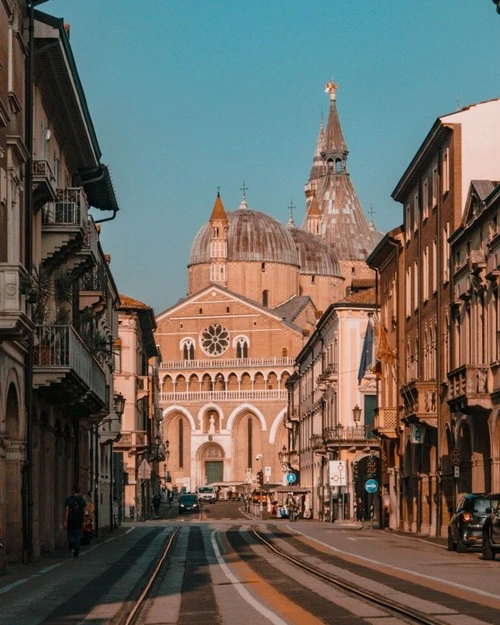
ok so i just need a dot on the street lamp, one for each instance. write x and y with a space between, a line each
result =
119 404
165 466
283 456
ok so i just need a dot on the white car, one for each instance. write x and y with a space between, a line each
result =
206 493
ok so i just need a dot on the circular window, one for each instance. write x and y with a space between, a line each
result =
214 340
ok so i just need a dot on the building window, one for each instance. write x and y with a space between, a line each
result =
188 350
425 199
446 253
408 292
408 222
242 348
214 339
416 212
249 442
181 443
265 298
434 190
446 170
415 285
434 266
425 276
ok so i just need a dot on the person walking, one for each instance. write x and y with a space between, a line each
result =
74 508
156 506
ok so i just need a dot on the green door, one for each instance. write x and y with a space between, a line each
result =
214 471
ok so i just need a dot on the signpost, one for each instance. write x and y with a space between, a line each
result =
371 487
291 478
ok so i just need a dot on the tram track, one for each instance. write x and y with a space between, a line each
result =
132 609
411 615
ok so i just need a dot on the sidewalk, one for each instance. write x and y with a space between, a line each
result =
18 573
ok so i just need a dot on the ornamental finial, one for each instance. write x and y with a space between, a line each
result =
331 88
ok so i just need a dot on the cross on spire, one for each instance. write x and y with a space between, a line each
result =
291 207
244 190
218 191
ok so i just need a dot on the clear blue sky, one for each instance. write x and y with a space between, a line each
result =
189 95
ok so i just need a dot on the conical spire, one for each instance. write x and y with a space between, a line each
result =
334 143
334 209
218 212
317 164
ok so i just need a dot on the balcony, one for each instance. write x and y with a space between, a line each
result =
67 230
66 372
420 401
342 436
44 184
226 363
14 322
274 394
94 289
386 422
133 442
469 389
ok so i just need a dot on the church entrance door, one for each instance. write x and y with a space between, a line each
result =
214 471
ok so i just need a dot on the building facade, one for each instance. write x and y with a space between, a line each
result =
57 297
256 290
432 454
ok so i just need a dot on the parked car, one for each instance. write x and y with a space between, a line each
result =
206 493
491 528
188 502
465 530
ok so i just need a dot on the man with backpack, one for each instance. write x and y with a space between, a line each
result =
74 508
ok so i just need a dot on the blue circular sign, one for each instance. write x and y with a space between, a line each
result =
291 478
371 486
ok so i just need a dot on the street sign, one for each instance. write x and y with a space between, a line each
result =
267 471
456 471
291 478
371 486
337 472
455 457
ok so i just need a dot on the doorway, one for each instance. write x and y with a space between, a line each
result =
214 471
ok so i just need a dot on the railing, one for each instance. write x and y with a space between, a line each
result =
95 279
222 395
227 363
468 380
349 433
42 169
61 347
70 208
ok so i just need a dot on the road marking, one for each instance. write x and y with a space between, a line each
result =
13 585
243 592
477 591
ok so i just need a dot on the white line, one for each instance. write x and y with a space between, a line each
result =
48 568
243 592
397 568
13 585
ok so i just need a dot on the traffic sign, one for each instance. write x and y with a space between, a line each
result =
371 486
337 472
144 470
267 471
291 478
455 457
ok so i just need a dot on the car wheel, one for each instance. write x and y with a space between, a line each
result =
488 553
452 546
461 547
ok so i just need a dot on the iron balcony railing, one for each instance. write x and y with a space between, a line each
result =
61 347
70 208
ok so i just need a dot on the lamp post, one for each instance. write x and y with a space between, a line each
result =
119 407
165 466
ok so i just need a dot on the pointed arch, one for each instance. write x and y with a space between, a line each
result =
278 421
249 408
175 408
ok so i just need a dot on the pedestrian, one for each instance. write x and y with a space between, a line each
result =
74 508
156 505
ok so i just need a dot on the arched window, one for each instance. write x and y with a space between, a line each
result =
181 443
242 348
188 350
249 446
265 298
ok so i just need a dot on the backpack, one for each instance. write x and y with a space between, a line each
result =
75 510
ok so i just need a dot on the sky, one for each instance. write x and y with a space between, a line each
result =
190 95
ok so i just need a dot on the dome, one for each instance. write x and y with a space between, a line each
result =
251 236
315 255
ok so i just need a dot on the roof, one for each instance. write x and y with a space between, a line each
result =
316 257
251 236
147 322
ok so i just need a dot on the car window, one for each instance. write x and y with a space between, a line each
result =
188 498
205 489
480 505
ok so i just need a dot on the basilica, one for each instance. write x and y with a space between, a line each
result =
256 290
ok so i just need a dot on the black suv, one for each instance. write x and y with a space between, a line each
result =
465 530
491 528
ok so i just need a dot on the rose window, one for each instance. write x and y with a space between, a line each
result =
214 340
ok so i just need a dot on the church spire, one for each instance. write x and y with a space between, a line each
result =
333 208
218 242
